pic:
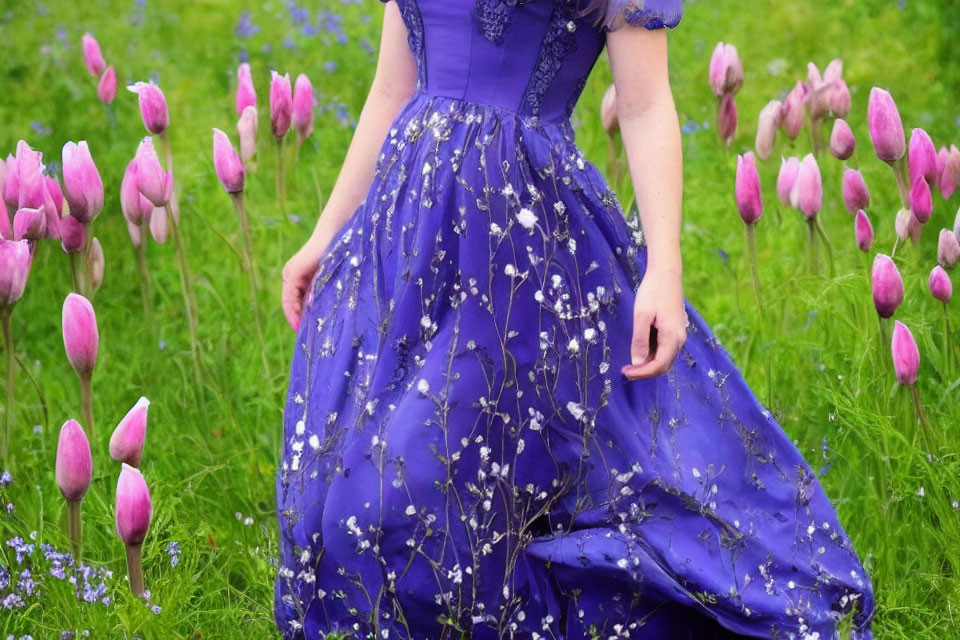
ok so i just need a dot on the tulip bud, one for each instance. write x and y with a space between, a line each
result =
134 510
247 131
842 142
159 225
921 202
907 226
80 336
227 163
940 286
281 104
863 231
246 93
856 196
608 111
73 235
727 118
136 234
922 157
107 88
84 189
154 183
11 188
807 193
769 121
838 99
153 107
886 128
92 56
906 356
834 70
726 70
948 248
95 265
793 112
887 285
15 261
134 205
126 443
948 171
29 224
74 467
747 191
303 104
789 168
56 195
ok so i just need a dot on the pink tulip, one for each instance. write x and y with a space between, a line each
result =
940 286
32 190
80 336
281 104
11 187
886 128
227 163
948 171
154 183
15 260
863 231
948 248
303 104
247 131
136 235
56 194
921 202
856 196
95 265
608 111
807 192
6 227
726 70
153 107
747 191
906 356
727 118
136 208
126 443
92 56
29 224
842 141
793 112
907 226
134 510
767 124
922 157
246 93
84 189
789 168
73 235
838 99
107 88
887 285
159 225
74 467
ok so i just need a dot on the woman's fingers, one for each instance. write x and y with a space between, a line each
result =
668 345
291 299
640 345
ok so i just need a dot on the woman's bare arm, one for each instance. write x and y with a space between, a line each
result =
393 84
651 134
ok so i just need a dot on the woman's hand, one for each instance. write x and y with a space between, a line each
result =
659 325
297 275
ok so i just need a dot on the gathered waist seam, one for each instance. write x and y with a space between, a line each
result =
528 120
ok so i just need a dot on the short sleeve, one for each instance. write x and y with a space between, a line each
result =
649 14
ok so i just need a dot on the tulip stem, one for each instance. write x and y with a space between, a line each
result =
186 285
281 179
11 361
144 278
86 399
134 568
251 269
75 528
901 172
814 253
752 251
75 270
946 343
921 416
827 245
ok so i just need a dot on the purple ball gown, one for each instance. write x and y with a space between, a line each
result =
462 457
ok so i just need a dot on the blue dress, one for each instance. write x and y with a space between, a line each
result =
462 457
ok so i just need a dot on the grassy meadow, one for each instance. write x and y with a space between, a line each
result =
813 355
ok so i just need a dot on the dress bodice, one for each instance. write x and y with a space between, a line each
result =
528 56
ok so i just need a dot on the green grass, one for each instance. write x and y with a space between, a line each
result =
813 357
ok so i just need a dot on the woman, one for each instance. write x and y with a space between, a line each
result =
489 433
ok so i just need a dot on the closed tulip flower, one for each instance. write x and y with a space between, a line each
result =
793 111
136 208
747 192
154 183
246 93
84 189
15 261
887 285
940 286
608 111
56 194
906 356
153 107
136 236
247 131
948 248
727 118
922 157
11 186
726 70
159 230
74 467
133 513
95 265
948 171
789 168
92 56
842 141
807 193
303 104
281 104
80 336
863 231
907 226
73 235
29 224
107 87
227 163
856 196
921 202
767 124
886 128
838 99
126 443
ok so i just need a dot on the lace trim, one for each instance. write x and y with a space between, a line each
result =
494 17
414 21
558 43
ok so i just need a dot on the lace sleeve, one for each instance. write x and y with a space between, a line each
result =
649 14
